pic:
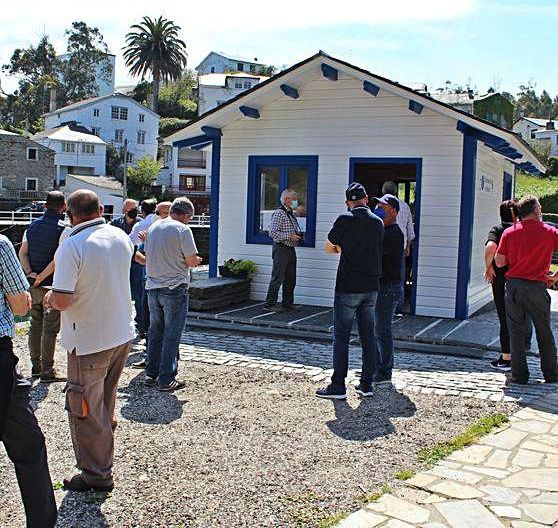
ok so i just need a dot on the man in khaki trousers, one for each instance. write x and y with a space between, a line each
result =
92 290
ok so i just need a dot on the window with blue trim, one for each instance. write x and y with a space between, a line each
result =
268 177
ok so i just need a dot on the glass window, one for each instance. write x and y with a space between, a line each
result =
68 148
247 85
96 112
141 137
119 112
30 184
32 154
240 66
268 177
96 131
141 118
87 148
129 157
238 84
118 136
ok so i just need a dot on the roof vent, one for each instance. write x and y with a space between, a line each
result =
550 125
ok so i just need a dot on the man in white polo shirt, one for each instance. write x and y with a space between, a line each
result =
92 290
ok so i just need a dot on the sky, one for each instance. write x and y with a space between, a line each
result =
481 43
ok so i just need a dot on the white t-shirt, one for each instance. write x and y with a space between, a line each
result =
405 222
93 264
142 225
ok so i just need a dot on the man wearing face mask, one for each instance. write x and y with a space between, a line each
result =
286 235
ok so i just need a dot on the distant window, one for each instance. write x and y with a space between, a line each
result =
238 84
96 131
129 157
191 183
533 136
119 112
252 68
188 157
212 69
141 118
1 182
87 148
141 137
96 112
247 85
118 136
219 103
32 154
240 66
68 148
31 184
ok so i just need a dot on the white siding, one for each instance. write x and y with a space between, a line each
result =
486 215
337 121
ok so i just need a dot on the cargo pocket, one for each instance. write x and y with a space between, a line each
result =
76 404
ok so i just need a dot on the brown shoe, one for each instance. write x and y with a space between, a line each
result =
52 377
77 483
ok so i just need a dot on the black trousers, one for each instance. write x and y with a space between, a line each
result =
282 274
499 294
524 297
24 442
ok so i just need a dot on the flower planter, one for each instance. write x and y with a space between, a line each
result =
226 272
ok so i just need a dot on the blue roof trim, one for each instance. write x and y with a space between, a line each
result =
371 88
190 142
329 72
201 145
289 91
211 132
415 107
248 111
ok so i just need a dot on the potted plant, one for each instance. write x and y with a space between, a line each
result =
238 269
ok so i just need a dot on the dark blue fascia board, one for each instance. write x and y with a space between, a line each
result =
212 132
289 91
248 111
329 72
214 206
371 88
490 140
415 107
201 145
190 142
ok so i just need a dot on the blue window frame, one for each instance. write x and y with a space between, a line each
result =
268 177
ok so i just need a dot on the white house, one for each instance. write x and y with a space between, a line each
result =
109 190
78 151
323 123
105 83
525 127
216 62
116 119
214 89
549 134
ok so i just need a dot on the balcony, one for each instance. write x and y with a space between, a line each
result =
197 190
191 164
21 194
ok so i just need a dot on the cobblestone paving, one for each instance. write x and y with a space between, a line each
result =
414 372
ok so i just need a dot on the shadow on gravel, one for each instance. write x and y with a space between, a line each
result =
83 506
38 393
148 405
371 418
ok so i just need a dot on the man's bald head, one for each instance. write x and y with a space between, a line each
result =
129 204
163 209
83 205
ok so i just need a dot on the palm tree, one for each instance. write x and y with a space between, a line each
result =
153 47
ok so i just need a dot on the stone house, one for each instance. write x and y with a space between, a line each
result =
27 170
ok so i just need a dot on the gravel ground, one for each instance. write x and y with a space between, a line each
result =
239 447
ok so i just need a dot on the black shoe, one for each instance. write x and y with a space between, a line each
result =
52 377
35 374
332 393
501 364
139 364
364 390
172 386
76 483
517 381
383 383
274 308
149 381
290 307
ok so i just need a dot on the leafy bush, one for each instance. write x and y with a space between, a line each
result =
553 166
169 125
550 217
238 266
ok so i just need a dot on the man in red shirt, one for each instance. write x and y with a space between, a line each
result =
526 248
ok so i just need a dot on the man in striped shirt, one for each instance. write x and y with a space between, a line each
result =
286 235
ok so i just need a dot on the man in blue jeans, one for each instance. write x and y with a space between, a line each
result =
170 253
391 290
358 236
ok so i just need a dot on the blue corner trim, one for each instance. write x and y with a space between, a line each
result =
418 191
212 132
415 107
248 111
289 91
467 212
507 191
190 142
371 88
253 206
329 72
214 206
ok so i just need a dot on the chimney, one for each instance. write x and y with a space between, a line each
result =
52 101
550 125
470 93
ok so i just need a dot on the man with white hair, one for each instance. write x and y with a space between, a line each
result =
286 235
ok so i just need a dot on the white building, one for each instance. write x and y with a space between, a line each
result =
526 127
217 62
78 151
549 135
116 119
109 190
214 89
105 83
324 123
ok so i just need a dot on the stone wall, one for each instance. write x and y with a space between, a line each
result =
15 167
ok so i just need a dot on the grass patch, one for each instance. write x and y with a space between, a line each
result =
405 474
373 496
57 486
332 520
483 426
529 184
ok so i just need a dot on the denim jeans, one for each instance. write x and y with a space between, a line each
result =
168 309
346 307
388 298
137 288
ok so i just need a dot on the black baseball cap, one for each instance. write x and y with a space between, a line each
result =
355 191
390 200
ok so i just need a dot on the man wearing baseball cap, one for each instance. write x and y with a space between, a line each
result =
391 291
358 236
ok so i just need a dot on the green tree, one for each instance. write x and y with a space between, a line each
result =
153 47
176 99
542 149
113 161
527 103
142 176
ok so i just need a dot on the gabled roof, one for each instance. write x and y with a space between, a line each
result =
93 100
265 92
105 182
538 121
228 57
69 131
220 79
8 133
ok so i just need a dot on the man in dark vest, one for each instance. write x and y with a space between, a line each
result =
36 255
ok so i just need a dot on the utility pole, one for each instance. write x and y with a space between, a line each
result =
125 175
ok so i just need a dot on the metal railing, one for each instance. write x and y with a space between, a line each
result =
200 191
22 194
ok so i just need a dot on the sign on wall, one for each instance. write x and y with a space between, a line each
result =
486 184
